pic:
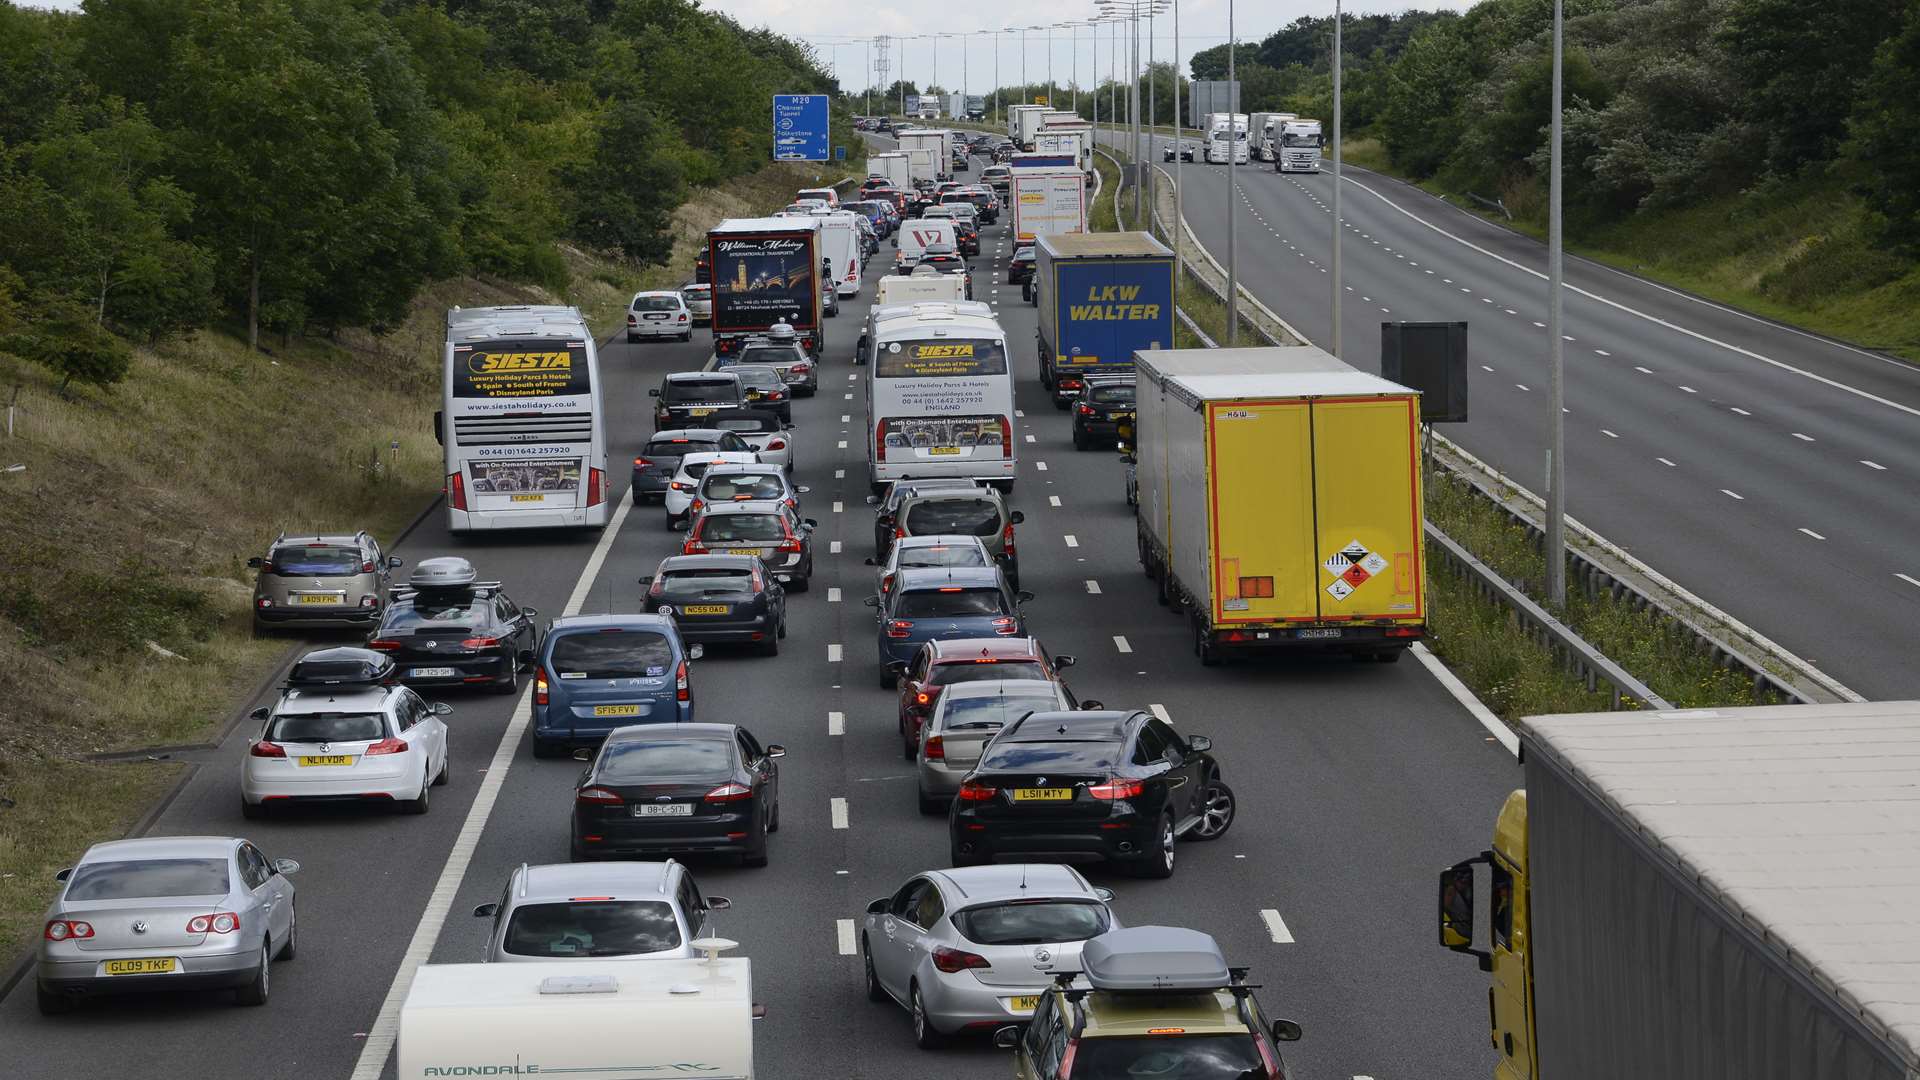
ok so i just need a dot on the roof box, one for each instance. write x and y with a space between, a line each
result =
442 572
1154 958
344 666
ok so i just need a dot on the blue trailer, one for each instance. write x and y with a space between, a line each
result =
1102 297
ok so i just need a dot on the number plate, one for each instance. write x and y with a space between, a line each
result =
327 759
431 672
671 809
616 710
152 965
321 598
529 498
1123 416
698 412
743 551
938 450
1320 632
1024 1004
1043 794
704 609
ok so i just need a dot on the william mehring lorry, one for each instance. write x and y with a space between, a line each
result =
1103 296
1279 500
1708 894
766 271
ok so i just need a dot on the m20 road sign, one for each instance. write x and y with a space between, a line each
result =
800 127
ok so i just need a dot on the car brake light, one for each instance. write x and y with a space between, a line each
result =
596 482
976 792
658 586
696 506
886 584
540 686
683 317
951 960
384 645
597 795
682 691
900 531
693 547
1066 1061
479 642
777 444
224 922
384 747
935 750
1084 409
729 793
641 463
1006 624
263 748
797 369
790 546
1117 788
456 492
68 929
899 628
632 319
1270 1060
923 697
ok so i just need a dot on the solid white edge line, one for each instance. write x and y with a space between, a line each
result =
1474 706
843 934
1276 926
837 808
385 1029
1908 580
836 723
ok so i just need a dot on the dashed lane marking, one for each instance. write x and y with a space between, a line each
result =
1874 465
1276 926
836 723
1733 495
1608 434
1093 587
1053 500
833 653
1813 534
1072 541
833 547
837 807
1667 463
833 595
1120 642
843 932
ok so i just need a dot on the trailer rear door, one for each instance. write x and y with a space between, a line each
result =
1259 456
1366 489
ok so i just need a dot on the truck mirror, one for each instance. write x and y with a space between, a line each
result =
1457 908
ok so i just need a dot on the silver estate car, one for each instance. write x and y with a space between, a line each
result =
166 913
965 716
621 909
340 581
972 949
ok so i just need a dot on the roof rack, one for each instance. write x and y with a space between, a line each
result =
341 667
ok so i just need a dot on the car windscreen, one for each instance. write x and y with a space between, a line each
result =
749 425
656 303
942 555
680 447
425 613
949 603
1189 1057
695 295
521 368
963 713
649 757
693 584
944 358
753 528
961 517
761 354
758 378
692 390
327 727
744 486
1113 395
601 654
986 671
1033 922
136 879
315 560
592 928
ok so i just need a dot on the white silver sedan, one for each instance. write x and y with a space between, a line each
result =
680 489
356 744
771 438
940 549
163 914
662 314
972 948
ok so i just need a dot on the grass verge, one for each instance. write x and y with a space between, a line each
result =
124 592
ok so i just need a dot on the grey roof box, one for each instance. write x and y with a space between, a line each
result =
343 666
442 572
1154 958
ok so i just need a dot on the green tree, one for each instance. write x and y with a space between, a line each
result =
1801 64
625 196
1886 133
1421 123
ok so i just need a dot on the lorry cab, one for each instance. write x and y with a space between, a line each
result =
1510 998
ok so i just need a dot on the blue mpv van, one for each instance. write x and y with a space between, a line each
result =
594 673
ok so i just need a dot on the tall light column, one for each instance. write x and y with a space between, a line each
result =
1233 191
1179 224
1338 227
1556 355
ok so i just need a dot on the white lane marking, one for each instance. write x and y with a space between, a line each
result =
1733 495
1510 311
1478 710
1521 385
1907 579
833 547
1667 463
1689 389
837 807
1602 352
1803 438
1072 541
385 1029
1160 711
1677 328
1276 926
846 418
1120 642
833 653
1608 434
852 375
839 474
1040 465
1017 412
1029 438
836 723
1813 534
843 932
848 397
1873 465
1486 369
833 595
1093 587
837 507
1539 324
1053 500
1642 370
843 444
1742 412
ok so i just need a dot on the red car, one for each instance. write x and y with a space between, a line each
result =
942 663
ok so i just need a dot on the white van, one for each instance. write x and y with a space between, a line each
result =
840 246
665 1018
916 233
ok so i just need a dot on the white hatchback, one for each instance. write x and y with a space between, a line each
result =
680 489
352 743
661 314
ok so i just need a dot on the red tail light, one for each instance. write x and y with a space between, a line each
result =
366 568
386 746
641 463
923 697
935 750
1084 409
68 929
880 441
1006 539
658 587
540 686
899 531
384 645
598 795
1117 788
952 960
480 643
777 444
696 506
456 491
263 748
596 484
693 547
790 546
682 318
972 792
797 369
681 690
729 793
223 922
1006 624
1006 444
898 628
886 584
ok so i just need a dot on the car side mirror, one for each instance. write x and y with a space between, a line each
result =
1456 910
1103 894
395 562
871 601
285 866
810 523
873 500
486 911
1063 662
261 714
67 872
646 580
1286 1031
775 750
530 612
719 903
1016 517
696 651
1199 744
1023 596
655 392
1091 705
441 708
877 906
257 562
803 489
1127 459
584 753
1008 1037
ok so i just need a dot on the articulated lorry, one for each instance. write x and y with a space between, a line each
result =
1300 142
1709 894
896 166
1279 501
767 271
1263 134
937 146
1048 194
1065 133
1102 297
1226 138
1027 121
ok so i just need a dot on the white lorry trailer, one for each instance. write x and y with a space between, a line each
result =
895 165
1226 138
937 144
1048 195
1263 134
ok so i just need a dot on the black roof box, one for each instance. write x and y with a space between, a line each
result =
344 666
1154 958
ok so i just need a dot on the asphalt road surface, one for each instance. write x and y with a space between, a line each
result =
1357 782
1770 471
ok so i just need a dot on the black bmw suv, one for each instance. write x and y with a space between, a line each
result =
1119 784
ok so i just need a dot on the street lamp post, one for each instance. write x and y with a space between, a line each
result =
1179 223
1556 355
1338 227
1233 191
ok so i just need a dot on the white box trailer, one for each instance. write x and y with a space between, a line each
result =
936 144
1029 118
1263 134
895 166
1065 133
1048 195
1014 121
914 287
579 1018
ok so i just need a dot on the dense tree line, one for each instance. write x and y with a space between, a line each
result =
310 164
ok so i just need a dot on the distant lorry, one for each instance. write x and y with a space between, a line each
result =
1029 119
1263 134
927 106
1102 297
937 143
1225 137
1065 133
1048 195
1014 113
1279 501
1300 143
1718 892
896 166
976 107
766 271
954 106
581 1018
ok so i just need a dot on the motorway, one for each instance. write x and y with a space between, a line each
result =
1357 782
1770 471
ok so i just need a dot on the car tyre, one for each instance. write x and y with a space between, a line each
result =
773 820
52 1002
688 336
1216 811
509 685
291 947
800 584
1159 863
770 644
930 806
757 854
1080 440
252 811
925 1036
446 773
424 801
875 992
259 988
971 858
1388 656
